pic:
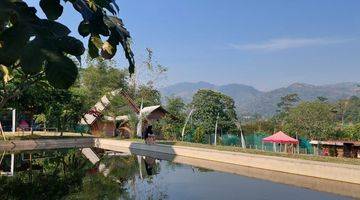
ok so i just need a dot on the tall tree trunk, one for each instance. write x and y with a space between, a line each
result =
59 126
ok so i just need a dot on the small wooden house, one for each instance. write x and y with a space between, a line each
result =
106 125
348 149
119 126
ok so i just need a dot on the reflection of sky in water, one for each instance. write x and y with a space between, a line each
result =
176 181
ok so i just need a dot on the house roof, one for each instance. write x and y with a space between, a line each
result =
334 142
117 118
150 109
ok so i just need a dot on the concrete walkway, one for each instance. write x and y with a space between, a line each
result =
40 144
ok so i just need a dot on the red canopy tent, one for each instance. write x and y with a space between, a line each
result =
281 138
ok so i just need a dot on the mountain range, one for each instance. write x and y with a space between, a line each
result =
249 100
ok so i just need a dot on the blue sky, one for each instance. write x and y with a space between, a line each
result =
266 44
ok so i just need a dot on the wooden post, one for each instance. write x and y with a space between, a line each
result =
274 146
186 122
13 120
12 164
2 132
216 126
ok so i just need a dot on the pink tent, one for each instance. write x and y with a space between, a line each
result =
23 124
280 137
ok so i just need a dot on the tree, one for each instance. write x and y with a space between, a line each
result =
41 118
341 108
33 101
352 111
150 72
65 110
102 75
171 125
267 126
148 95
208 104
32 48
176 106
284 106
313 120
199 135
287 102
352 132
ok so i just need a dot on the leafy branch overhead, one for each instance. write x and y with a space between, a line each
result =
37 45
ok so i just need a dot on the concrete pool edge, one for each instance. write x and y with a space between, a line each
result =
43 144
331 171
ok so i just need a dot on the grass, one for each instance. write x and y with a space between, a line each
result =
351 161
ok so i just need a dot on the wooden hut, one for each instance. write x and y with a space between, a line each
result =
348 149
107 126
119 126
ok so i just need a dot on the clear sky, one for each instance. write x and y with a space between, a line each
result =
266 44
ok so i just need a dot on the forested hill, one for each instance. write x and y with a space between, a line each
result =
250 100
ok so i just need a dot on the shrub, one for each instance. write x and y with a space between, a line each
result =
199 134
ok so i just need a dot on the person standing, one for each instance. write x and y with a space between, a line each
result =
149 136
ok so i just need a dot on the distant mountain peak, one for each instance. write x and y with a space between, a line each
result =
301 85
249 100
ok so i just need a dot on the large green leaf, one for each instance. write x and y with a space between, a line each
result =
93 50
32 58
51 8
12 40
84 28
97 25
119 34
60 71
70 45
48 28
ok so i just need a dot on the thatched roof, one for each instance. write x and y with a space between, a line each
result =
154 112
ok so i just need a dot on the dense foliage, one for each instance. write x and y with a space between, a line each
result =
208 105
313 120
319 119
34 49
171 126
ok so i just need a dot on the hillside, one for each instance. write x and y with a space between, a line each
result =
250 100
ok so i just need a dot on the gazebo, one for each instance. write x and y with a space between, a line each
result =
280 138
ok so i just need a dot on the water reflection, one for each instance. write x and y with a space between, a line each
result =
42 175
68 174
64 174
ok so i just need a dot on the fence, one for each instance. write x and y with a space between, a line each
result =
254 141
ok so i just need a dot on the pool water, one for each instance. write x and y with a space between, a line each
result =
178 181
67 174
